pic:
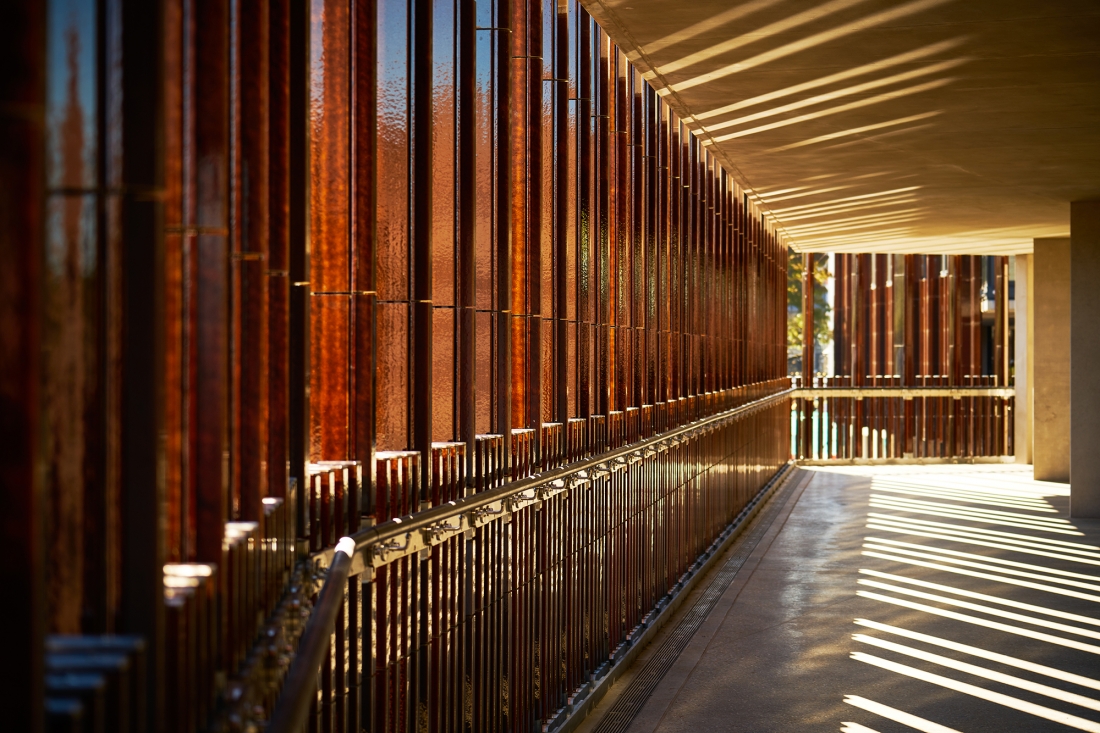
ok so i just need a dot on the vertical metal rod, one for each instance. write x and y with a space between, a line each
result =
808 343
298 217
141 128
22 160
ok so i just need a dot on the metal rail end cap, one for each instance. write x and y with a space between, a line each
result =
346 545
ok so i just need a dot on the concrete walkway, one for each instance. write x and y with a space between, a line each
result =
886 599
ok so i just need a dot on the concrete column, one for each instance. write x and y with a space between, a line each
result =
1024 357
1051 388
1085 359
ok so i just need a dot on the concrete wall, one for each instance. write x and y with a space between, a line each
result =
1085 359
1051 388
1024 357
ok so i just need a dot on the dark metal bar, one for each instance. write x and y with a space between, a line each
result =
250 114
298 216
140 129
421 228
22 230
808 342
208 141
466 243
278 263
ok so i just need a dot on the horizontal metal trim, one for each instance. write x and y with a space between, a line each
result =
860 393
929 461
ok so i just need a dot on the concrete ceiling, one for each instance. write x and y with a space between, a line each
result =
921 126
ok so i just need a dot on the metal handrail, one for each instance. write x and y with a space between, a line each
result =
402 527
355 553
292 708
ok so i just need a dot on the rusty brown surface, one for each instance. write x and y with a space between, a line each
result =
278 262
207 217
508 232
72 283
391 376
330 236
393 151
928 312
174 318
251 259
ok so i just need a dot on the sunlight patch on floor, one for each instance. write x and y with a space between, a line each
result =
944 531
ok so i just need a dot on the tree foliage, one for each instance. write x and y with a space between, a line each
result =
823 329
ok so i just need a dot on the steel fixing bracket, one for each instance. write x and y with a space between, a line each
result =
483 515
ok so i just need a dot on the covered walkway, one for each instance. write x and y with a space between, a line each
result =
889 598
380 366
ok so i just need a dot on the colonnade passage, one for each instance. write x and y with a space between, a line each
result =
548 365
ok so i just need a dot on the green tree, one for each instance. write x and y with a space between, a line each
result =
823 328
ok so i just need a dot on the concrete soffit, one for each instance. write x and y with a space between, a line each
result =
906 126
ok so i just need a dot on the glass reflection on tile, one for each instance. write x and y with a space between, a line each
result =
71 95
393 110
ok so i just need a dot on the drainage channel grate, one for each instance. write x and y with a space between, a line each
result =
630 703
